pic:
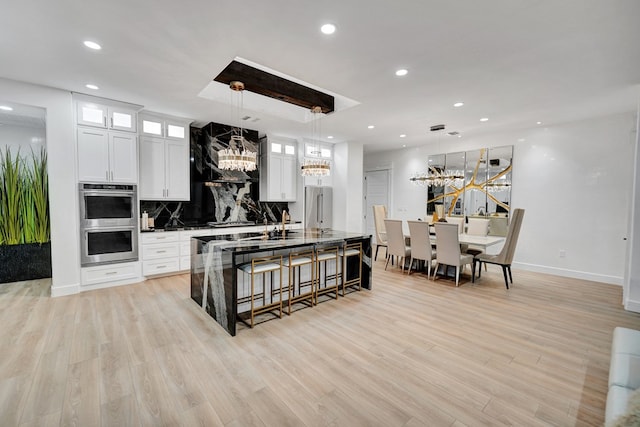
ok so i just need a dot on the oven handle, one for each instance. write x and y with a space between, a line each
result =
107 193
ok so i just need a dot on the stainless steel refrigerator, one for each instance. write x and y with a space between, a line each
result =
318 208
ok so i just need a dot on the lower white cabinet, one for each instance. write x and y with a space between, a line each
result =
110 273
160 252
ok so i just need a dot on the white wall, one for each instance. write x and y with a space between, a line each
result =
348 187
574 181
22 138
62 180
632 276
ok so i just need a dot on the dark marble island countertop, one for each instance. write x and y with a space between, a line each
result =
215 260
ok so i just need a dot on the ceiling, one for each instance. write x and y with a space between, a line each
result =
515 62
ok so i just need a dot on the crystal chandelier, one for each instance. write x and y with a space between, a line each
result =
438 178
237 157
316 167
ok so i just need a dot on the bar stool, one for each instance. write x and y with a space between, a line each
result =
299 260
351 250
323 256
262 266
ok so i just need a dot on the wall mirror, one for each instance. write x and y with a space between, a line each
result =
474 183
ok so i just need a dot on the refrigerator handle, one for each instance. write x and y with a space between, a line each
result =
318 207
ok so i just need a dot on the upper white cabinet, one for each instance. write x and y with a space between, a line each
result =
164 157
278 170
106 156
162 126
320 151
89 113
107 148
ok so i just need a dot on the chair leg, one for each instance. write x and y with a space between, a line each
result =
428 268
376 257
480 268
387 263
504 273
410 265
509 270
473 271
457 274
435 271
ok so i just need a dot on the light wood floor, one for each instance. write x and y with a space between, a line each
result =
412 352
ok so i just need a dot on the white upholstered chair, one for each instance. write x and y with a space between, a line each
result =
477 227
420 244
379 215
397 246
448 248
458 220
505 257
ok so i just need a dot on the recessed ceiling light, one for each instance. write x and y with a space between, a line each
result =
404 145
403 135
458 104
520 139
538 123
90 86
370 127
6 108
92 45
330 137
484 119
328 28
401 72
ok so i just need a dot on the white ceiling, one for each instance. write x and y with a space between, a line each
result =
513 61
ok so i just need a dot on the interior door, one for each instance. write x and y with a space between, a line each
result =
376 193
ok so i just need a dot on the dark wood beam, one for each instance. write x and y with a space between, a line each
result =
276 87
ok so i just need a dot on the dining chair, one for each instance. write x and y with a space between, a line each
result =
505 257
477 227
396 242
379 215
448 249
458 220
420 244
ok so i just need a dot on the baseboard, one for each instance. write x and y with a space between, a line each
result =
61 291
113 284
575 274
632 305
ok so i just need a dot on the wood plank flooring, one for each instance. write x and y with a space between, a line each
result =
411 352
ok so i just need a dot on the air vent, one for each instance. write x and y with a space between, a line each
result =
454 133
246 117
436 128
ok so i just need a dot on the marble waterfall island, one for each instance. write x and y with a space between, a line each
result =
215 259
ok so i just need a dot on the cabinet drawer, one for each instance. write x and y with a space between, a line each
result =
162 266
109 273
162 237
160 250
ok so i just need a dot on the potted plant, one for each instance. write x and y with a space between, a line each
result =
25 250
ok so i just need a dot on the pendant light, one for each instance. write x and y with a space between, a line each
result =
237 156
316 167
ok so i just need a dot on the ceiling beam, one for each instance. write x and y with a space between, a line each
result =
276 87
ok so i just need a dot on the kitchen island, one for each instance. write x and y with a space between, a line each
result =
215 261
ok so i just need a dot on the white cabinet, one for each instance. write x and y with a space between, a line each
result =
102 115
160 253
106 156
106 140
164 158
111 274
278 170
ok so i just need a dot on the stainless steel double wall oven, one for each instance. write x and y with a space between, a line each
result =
108 223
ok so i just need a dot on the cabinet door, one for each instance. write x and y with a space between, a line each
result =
123 159
122 119
176 130
152 164
274 178
151 126
177 170
289 177
91 114
93 155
